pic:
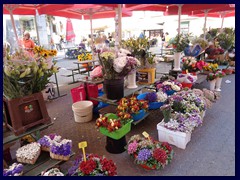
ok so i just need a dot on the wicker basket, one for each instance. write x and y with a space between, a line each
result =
45 148
29 161
59 157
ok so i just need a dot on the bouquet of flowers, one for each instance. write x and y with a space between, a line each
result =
131 105
113 124
148 153
93 166
189 63
84 56
117 67
169 85
40 51
161 96
211 67
180 42
24 75
211 76
220 74
200 64
139 48
201 41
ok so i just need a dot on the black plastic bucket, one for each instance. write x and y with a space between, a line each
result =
114 88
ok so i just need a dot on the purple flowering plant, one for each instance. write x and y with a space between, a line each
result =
61 148
183 122
15 169
151 97
153 154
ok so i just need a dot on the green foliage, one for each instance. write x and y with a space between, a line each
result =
180 42
22 78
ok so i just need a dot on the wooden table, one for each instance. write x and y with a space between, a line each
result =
9 137
85 62
127 92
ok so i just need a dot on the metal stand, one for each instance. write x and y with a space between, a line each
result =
58 92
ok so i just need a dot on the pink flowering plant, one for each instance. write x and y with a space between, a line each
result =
150 153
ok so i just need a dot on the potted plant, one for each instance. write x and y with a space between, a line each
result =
93 166
136 108
24 77
114 126
148 153
189 65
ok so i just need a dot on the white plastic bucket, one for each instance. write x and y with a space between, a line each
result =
83 111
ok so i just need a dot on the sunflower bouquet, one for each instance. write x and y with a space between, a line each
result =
40 51
84 56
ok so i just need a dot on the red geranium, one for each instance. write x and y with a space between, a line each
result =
88 166
160 155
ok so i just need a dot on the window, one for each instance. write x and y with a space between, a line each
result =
185 27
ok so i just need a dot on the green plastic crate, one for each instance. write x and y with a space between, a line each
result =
117 134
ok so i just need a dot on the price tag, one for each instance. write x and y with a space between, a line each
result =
82 145
146 135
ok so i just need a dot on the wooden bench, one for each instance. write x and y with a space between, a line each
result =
75 71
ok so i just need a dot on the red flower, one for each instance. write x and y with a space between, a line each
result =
88 166
108 166
160 155
167 146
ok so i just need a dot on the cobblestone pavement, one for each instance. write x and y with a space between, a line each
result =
211 151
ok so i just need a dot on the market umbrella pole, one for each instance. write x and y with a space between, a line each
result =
91 29
205 22
119 22
222 15
13 24
36 24
179 17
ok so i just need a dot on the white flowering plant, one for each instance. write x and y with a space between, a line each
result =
161 96
117 66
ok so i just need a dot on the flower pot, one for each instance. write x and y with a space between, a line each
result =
131 79
152 105
218 84
212 84
117 134
170 92
145 166
138 116
187 85
114 88
177 58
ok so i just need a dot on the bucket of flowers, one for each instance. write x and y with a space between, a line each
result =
169 86
148 153
93 166
186 80
155 99
114 126
136 108
189 65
